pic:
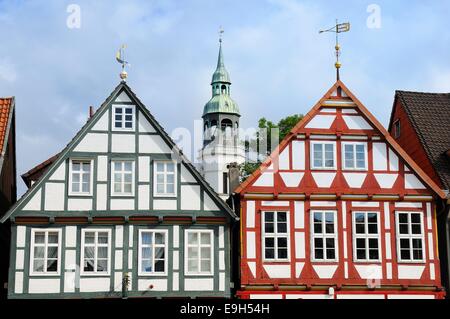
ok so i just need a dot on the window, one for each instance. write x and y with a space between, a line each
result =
95 251
225 182
354 156
366 240
397 129
410 240
199 252
165 179
275 236
324 236
80 177
123 117
152 252
323 155
45 251
122 177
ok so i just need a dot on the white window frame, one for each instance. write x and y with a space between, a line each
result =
58 263
95 272
91 179
353 144
275 235
141 272
175 180
311 151
113 179
366 236
113 118
186 257
324 236
410 236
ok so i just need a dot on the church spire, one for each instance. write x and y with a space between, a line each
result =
221 75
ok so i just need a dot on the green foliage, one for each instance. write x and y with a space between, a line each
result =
283 127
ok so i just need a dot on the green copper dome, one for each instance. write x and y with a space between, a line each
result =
221 102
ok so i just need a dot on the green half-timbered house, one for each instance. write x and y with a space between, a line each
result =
120 212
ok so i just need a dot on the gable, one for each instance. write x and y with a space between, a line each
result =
338 119
101 141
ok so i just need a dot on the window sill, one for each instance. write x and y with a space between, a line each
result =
86 195
94 274
143 274
411 262
44 274
324 168
198 275
171 196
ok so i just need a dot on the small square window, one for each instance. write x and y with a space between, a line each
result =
354 156
123 117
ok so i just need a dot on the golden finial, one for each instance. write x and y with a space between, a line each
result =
338 28
120 57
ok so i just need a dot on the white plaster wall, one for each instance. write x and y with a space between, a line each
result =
158 284
101 196
144 125
190 197
102 122
379 156
168 204
198 284
60 173
298 155
79 204
93 142
153 144
117 204
95 284
144 197
123 143
102 168
54 196
35 202
43 285
144 169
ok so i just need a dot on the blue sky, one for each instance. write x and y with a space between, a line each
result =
279 64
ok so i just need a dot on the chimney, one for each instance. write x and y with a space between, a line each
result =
91 111
233 176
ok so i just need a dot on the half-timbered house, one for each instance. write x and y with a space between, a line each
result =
339 210
120 212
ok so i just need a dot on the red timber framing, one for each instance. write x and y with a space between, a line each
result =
351 222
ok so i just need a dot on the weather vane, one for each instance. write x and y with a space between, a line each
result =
221 31
338 28
120 57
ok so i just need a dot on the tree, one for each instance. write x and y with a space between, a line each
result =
283 127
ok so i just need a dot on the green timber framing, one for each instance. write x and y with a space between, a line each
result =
219 220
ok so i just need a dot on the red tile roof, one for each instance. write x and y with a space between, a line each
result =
5 111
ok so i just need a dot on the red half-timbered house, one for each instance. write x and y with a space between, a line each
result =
338 211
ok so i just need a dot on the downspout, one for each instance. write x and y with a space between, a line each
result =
445 213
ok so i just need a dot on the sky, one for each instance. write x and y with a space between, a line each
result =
278 62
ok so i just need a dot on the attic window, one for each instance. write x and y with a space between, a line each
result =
397 129
123 117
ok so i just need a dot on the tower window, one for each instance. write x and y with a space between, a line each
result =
224 89
226 123
225 183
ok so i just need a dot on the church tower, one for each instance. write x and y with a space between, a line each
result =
221 144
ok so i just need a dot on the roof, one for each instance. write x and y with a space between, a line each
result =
389 139
221 74
221 103
6 110
429 114
38 170
119 88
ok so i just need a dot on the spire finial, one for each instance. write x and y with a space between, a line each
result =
120 57
221 31
338 28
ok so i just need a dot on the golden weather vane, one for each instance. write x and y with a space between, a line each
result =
221 31
338 28
120 57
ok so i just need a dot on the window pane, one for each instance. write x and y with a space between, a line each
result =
269 253
89 237
317 217
146 253
103 238
170 189
417 254
128 178
417 243
75 177
146 266
269 242
88 265
160 188
282 242
192 238
405 254
39 252
206 266
329 217
361 254
318 148
404 243
117 166
102 265
159 266
192 265
160 167
318 242
52 265
282 227
159 253
127 188
170 178
372 217
102 252
269 216
159 238
373 228
205 238
52 238
118 124
128 166
146 238
282 253
76 166
118 110
360 243
281 217
403 229
128 110
192 252
330 254
330 242
317 228
373 243
268 228
415 218
75 187
373 254
39 237
86 167
170 167
360 229
329 228
318 253
403 218
38 265
416 229
52 252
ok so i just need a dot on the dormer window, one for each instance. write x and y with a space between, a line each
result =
123 117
